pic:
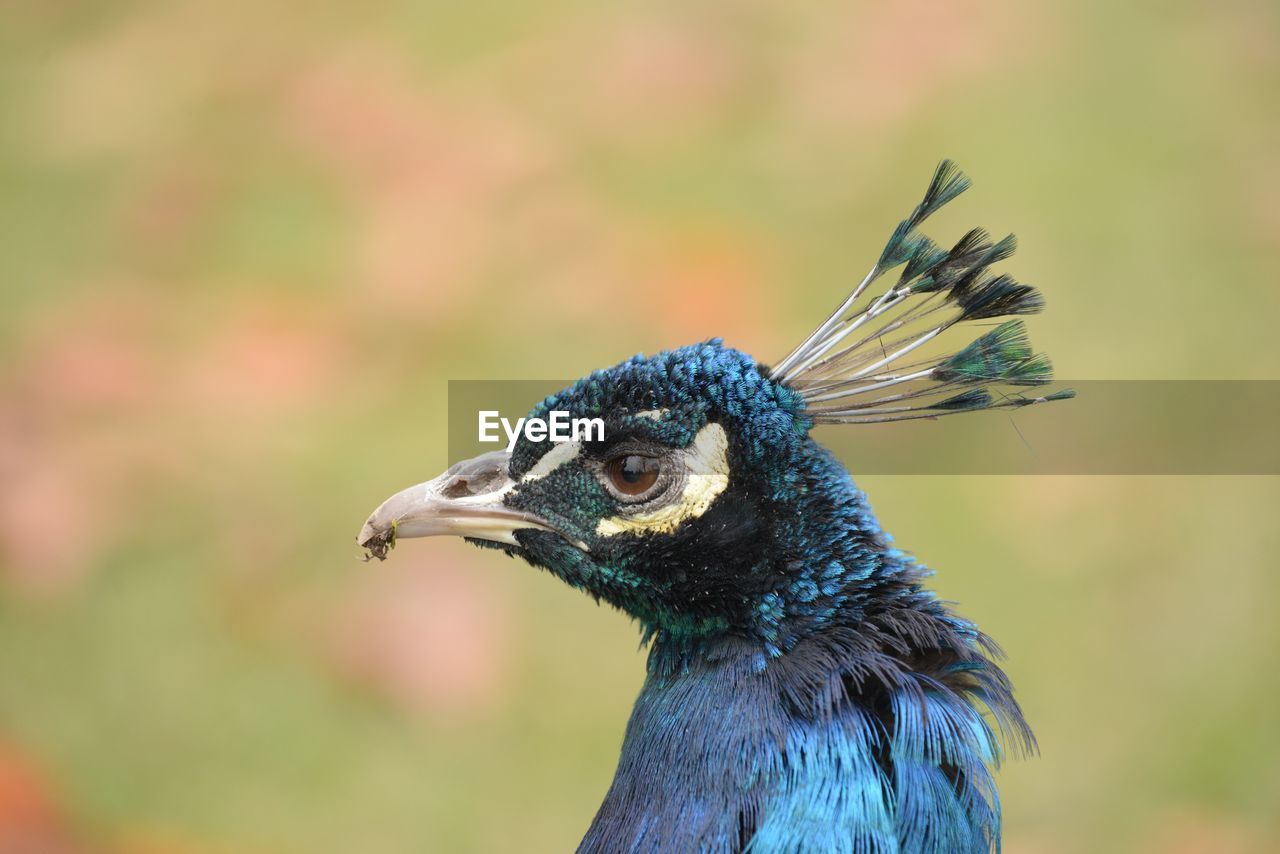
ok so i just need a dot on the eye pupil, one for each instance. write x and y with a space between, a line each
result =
633 469
633 474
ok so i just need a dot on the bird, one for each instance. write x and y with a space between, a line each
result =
805 690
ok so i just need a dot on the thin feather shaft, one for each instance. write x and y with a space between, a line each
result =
822 330
920 341
869 388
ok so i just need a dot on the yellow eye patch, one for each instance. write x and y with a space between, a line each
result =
707 462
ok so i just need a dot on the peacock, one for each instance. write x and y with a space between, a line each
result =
805 691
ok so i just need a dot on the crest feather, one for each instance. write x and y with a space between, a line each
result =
854 367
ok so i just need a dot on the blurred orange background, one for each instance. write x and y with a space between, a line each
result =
245 245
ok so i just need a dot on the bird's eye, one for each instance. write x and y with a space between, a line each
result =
633 474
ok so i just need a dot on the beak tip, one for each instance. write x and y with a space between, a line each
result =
376 543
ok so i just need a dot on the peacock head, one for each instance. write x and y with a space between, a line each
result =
705 507
664 514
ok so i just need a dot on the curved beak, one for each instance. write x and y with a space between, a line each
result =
465 501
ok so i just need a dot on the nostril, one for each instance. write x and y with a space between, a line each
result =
466 485
459 487
481 475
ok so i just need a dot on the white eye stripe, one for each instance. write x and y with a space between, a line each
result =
559 454
707 464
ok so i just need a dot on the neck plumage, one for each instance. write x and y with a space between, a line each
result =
868 719
834 746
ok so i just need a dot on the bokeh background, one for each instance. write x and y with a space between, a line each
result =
244 245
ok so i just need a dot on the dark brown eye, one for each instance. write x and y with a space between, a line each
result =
632 474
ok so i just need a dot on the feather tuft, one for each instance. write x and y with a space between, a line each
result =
854 368
975 398
1000 296
989 357
947 183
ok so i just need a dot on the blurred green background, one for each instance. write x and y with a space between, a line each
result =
244 245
